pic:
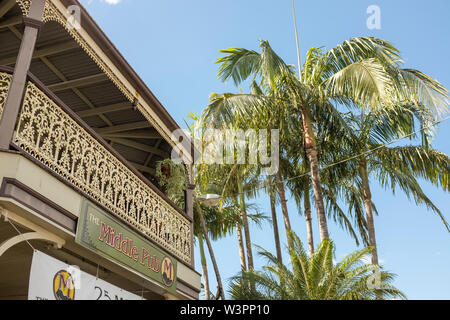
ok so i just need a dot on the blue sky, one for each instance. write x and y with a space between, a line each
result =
173 45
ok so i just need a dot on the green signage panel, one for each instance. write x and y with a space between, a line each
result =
110 239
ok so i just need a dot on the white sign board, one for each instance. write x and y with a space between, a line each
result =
51 279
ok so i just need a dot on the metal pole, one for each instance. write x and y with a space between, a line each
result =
298 46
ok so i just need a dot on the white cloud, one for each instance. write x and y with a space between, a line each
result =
112 1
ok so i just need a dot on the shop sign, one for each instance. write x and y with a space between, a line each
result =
51 279
111 239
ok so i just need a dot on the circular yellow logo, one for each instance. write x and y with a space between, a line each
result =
168 272
63 286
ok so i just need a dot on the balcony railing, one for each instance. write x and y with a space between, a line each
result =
5 80
53 136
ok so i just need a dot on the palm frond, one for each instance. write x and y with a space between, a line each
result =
365 82
238 64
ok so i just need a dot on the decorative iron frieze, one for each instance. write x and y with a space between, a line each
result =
5 81
48 134
24 6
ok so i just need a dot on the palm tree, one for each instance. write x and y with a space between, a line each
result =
220 178
352 73
200 227
235 178
205 235
240 238
362 72
409 95
329 135
231 181
393 167
222 112
315 277
219 222
199 235
273 210
241 176
174 186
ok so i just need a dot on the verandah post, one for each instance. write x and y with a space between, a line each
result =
17 87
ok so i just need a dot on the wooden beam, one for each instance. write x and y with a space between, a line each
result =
65 46
10 22
100 110
140 146
75 90
142 168
91 105
123 127
6 6
150 156
76 83
57 48
16 32
135 134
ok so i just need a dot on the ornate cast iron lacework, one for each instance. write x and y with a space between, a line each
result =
24 6
49 135
5 80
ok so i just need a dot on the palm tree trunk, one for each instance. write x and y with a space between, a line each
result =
204 266
248 241
240 241
275 222
287 222
241 247
367 195
211 252
309 230
311 152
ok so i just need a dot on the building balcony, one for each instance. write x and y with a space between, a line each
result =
52 135
83 126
